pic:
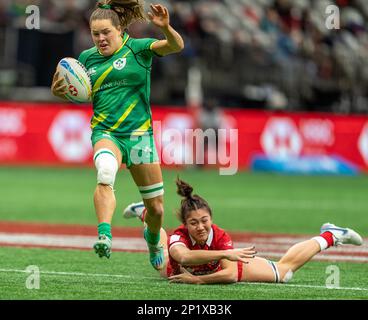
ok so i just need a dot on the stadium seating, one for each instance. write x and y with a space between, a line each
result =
251 52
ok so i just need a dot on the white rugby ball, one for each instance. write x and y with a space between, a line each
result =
76 79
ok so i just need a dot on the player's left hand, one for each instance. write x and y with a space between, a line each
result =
159 16
240 254
184 277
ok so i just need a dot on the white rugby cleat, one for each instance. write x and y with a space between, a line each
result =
103 246
134 210
342 235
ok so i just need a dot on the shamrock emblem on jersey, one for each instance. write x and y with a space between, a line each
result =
119 63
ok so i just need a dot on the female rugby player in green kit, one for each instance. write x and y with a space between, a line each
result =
119 67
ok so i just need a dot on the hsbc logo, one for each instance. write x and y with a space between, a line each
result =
13 122
69 136
363 143
73 90
281 138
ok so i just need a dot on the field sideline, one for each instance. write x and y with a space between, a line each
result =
47 219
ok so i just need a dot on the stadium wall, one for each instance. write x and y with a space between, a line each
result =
59 134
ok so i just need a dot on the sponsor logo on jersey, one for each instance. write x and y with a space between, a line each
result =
91 71
119 64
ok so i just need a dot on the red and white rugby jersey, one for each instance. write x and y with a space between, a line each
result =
218 239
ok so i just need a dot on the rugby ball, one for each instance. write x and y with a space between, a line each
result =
76 79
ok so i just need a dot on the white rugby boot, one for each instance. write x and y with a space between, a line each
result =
342 235
103 246
134 210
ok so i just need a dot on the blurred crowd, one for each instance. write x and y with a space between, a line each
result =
250 53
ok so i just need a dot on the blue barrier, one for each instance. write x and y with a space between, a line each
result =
323 165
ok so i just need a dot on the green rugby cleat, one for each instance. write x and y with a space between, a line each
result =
103 246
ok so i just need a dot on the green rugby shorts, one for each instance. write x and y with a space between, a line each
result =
135 149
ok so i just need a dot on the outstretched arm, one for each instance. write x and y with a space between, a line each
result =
187 257
227 274
173 42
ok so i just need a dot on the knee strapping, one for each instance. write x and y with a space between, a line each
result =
152 191
107 167
287 277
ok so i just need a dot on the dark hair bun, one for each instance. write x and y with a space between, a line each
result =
184 189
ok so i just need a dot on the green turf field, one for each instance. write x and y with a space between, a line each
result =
244 202
70 274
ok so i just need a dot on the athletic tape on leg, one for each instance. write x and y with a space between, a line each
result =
107 167
152 191
288 276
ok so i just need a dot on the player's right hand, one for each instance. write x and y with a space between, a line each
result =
58 88
240 254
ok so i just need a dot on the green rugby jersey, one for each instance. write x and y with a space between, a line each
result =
121 87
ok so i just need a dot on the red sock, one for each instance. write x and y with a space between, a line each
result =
143 214
328 237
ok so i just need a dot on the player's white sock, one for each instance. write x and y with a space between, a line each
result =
322 242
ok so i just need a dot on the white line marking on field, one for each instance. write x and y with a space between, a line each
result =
303 286
82 274
363 249
319 257
52 240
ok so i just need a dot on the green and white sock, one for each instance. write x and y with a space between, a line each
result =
151 238
105 228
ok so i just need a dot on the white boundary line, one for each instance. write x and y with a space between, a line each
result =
83 274
304 286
